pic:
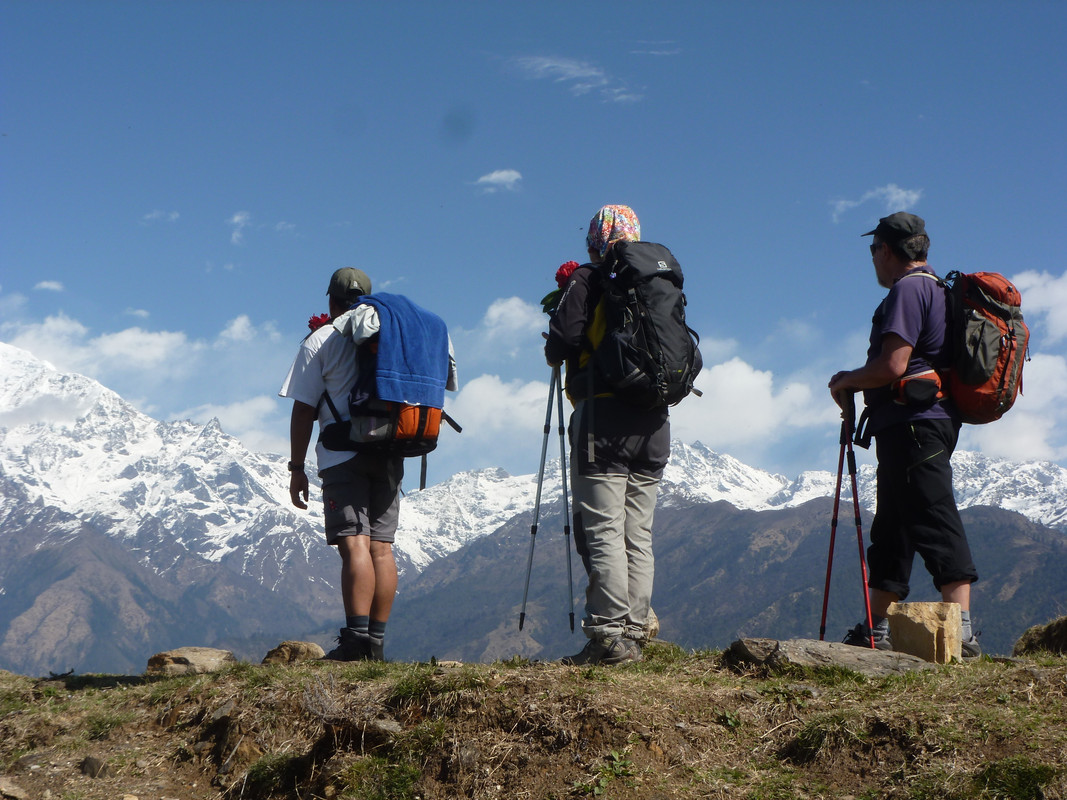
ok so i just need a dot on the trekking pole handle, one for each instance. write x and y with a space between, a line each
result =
848 415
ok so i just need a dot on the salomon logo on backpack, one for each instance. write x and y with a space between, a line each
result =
648 355
989 344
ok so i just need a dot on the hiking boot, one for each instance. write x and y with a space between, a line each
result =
351 646
860 636
970 649
377 649
613 650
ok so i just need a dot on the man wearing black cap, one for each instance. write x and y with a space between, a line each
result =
915 430
360 491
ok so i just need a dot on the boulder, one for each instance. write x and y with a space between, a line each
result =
11 790
294 652
931 631
778 656
1048 638
189 661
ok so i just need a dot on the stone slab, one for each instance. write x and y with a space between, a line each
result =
778 655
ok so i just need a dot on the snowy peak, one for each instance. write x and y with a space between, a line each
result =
72 444
696 473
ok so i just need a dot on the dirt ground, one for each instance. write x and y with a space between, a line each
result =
679 725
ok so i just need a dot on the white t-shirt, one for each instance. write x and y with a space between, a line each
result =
326 362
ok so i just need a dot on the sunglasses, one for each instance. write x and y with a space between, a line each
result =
875 247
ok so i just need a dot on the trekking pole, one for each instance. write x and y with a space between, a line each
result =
563 476
849 418
537 501
833 530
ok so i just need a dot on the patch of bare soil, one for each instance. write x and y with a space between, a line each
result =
676 726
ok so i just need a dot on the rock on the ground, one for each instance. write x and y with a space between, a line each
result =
10 789
931 631
293 652
1051 638
189 661
810 653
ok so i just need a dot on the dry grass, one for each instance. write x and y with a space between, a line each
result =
677 726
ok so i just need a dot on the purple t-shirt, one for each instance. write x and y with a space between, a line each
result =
915 310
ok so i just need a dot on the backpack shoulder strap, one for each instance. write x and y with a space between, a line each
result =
925 274
333 408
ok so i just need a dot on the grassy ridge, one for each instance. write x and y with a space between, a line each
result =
679 725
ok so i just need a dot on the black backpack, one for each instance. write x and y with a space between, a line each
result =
648 355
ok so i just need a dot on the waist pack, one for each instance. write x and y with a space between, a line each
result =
381 426
989 344
648 356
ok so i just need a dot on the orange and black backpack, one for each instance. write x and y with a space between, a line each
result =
990 342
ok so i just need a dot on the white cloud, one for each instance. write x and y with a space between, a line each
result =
500 179
239 221
893 198
11 306
502 423
1044 295
239 329
513 315
160 216
137 312
49 286
285 227
161 371
581 76
68 344
509 331
1036 426
743 407
666 47
135 349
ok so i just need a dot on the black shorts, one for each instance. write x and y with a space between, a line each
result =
916 511
361 497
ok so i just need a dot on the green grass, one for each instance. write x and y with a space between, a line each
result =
100 724
827 731
1014 778
272 774
374 778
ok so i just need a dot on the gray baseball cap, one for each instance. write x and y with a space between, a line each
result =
348 284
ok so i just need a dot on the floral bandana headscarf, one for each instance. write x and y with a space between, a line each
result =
612 224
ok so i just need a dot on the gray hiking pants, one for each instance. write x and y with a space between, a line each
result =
616 517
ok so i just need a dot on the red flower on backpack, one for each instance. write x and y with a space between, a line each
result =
318 320
563 274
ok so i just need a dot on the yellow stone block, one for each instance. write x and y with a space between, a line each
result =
931 631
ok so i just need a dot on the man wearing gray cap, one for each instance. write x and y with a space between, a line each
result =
360 491
915 428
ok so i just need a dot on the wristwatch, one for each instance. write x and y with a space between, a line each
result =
296 467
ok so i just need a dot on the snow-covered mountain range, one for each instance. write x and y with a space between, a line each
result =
105 511
72 444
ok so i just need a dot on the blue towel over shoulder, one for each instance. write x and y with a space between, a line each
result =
412 351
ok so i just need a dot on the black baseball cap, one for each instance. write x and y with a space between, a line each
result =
897 227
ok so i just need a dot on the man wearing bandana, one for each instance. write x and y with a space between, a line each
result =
618 452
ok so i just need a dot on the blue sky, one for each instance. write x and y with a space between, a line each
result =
180 179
